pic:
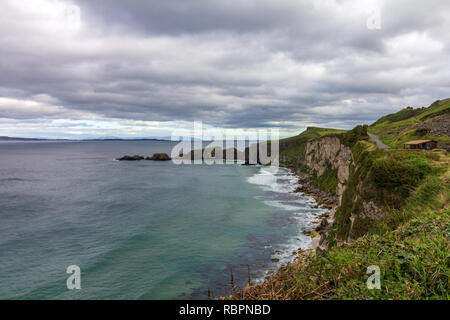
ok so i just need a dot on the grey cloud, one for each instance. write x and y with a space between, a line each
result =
229 63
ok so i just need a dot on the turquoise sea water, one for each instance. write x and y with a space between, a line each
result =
139 230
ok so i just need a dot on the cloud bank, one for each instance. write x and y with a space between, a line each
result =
135 68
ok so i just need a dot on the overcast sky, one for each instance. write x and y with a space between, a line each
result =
96 68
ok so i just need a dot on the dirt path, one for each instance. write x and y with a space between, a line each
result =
380 145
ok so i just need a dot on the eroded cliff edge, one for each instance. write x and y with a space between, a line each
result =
394 213
327 165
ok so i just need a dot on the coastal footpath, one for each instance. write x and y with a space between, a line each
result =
388 208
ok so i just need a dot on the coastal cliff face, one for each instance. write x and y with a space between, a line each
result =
329 156
394 212
332 167
339 165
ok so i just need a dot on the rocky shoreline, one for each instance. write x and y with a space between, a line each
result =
325 221
318 234
323 200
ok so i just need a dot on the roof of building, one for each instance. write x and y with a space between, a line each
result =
418 141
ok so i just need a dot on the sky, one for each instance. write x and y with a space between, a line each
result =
97 68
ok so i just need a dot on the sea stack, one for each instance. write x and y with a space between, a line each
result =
159 157
131 158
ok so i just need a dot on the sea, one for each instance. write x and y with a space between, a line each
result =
140 229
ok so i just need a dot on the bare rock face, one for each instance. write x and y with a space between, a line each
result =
326 153
440 126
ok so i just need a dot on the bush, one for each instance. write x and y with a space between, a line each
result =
328 181
353 136
421 131
398 173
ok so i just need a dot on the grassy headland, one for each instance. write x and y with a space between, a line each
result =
413 124
394 213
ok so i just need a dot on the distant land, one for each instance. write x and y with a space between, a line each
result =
6 138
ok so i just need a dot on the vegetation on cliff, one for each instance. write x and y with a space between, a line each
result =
381 184
394 214
292 149
410 245
413 259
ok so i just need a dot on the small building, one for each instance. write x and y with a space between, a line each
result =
421 144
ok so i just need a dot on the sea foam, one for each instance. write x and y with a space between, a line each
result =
274 179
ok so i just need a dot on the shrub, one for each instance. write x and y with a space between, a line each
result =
421 131
328 181
353 136
398 173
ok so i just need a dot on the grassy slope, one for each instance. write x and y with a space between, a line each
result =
410 244
388 179
413 257
293 148
397 128
413 261
292 152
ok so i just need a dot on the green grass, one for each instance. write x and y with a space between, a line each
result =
292 149
414 258
398 128
388 179
396 173
328 181
409 241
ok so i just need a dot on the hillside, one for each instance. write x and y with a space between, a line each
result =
413 124
393 213
292 149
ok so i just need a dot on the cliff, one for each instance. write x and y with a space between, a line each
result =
329 161
393 213
329 164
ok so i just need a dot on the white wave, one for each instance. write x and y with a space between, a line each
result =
274 179
278 204
284 254
262 178
303 216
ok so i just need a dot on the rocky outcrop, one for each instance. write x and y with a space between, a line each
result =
131 158
439 127
323 199
330 172
156 157
329 153
324 228
325 157
159 157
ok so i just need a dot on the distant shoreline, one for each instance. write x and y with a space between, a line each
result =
18 139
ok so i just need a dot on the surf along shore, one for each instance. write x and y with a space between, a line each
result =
323 200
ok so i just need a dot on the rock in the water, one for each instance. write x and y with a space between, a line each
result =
159 157
131 158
